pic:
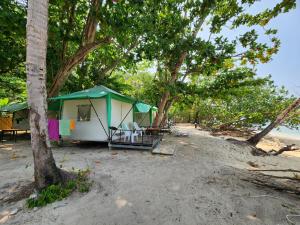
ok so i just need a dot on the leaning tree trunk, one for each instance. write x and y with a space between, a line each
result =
45 170
282 116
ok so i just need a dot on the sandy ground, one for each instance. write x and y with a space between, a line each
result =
200 184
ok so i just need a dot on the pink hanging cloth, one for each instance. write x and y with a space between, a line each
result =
53 129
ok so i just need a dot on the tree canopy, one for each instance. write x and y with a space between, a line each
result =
161 52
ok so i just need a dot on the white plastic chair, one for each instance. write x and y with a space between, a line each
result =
138 130
128 133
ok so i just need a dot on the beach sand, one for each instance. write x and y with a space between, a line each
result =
200 185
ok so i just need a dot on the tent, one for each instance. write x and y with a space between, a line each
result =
98 108
16 115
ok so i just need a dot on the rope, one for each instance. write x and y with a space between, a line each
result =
98 118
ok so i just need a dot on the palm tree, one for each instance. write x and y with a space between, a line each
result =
45 170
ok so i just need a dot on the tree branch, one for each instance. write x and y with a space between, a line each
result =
70 63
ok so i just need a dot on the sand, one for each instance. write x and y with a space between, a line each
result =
200 184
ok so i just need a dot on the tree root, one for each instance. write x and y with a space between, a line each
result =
286 149
260 152
23 189
67 176
278 170
291 185
17 191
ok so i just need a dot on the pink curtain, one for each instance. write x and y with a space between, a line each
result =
53 129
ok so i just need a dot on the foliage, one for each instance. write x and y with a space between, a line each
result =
244 107
52 193
182 52
57 192
12 50
148 40
140 82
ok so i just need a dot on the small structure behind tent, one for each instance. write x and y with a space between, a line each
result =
18 113
144 114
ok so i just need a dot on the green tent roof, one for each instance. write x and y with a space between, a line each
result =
95 92
14 107
143 107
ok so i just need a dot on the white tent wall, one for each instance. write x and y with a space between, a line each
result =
118 112
87 130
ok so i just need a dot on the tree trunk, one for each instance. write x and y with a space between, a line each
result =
90 28
45 170
282 116
165 117
206 6
161 109
166 95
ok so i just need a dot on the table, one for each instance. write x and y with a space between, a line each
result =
154 131
14 133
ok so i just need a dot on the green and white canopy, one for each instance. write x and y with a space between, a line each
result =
104 92
95 92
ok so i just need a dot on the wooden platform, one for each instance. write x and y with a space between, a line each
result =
164 149
147 142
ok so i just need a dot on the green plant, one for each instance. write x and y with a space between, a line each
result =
82 182
58 192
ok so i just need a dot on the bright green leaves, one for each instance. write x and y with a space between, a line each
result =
223 12
258 52
264 17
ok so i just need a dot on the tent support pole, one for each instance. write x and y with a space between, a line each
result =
98 117
124 117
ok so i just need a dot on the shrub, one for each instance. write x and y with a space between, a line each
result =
57 192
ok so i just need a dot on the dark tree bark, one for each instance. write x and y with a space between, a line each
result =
165 117
280 118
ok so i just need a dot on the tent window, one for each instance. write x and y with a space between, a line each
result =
84 113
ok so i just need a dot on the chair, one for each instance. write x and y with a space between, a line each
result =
128 133
138 130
